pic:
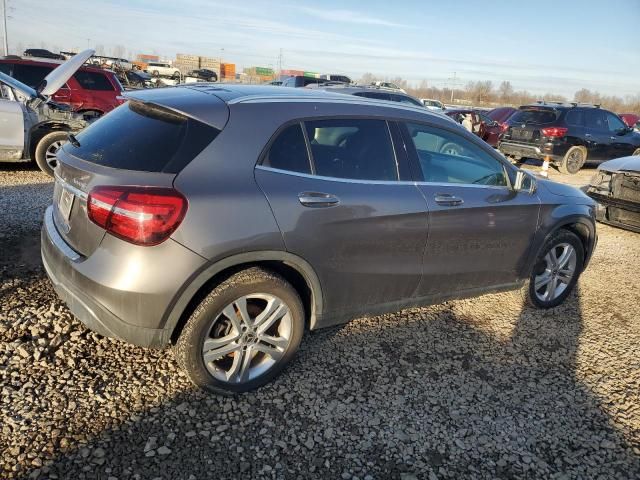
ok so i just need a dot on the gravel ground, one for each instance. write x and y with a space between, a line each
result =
480 388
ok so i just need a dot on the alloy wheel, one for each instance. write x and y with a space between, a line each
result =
574 161
556 272
247 338
51 154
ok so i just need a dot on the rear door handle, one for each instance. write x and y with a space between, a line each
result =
587 134
448 200
318 199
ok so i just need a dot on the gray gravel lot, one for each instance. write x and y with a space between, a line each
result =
480 388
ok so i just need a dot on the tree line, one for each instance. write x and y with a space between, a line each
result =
484 93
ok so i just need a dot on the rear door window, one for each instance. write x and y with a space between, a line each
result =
535 115
5 68
31 75
575 118
289 151
358 149
446 157
595 119
142 137
93 81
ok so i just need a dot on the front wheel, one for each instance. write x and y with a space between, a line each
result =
46 153
243 334
636 152
555 271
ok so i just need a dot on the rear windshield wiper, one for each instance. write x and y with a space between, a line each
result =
73 140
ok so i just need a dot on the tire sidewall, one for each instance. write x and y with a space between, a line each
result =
563 236
41 149
193 336
565 160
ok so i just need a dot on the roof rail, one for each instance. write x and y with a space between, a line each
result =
585 104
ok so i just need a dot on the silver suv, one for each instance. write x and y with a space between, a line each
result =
227 220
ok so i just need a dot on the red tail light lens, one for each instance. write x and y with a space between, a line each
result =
140 215
504 127
554 132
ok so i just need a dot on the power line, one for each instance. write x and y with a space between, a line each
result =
4 25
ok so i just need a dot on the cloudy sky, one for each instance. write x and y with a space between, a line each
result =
542 46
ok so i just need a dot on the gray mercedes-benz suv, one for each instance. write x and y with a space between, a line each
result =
227 220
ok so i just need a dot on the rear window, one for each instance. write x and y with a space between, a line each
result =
535 115
93 81
142 137
289 151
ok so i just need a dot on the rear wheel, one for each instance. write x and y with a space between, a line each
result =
573 160
636 152
155 73
556 270
47 149
243 334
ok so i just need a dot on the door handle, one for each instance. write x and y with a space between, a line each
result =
612 138
318 199
448 200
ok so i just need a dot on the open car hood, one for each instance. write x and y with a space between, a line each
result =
624 164
59 76
21 87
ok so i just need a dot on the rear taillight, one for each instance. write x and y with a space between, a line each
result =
140 215
504 127
554 132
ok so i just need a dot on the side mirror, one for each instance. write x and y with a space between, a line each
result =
524 182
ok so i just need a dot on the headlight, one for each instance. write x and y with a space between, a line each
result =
601 180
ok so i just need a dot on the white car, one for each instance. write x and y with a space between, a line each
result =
33 126
388 86
433 104
162 69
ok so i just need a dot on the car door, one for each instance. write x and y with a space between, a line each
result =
11 125
334 188
621 137
480 229
596 135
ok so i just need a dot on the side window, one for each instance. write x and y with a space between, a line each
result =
446 157
595 119
93 81
5 68
289 151
615 124
30 75
352 148
575 118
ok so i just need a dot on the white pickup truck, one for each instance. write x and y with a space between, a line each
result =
161 69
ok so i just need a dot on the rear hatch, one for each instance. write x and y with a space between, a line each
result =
140 143
526 124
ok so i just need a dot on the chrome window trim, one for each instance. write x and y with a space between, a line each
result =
379 182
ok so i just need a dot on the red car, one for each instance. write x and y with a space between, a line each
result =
501 115
90 90
631 119
486 128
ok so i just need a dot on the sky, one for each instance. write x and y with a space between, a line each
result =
541 46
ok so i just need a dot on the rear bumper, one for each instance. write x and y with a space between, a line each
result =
100 300
522 150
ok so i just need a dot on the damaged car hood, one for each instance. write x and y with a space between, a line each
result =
624 164
59 76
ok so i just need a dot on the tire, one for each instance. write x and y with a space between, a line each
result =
558 240
46 150
214 319
176 75
636 152
573 160
155 73
451 148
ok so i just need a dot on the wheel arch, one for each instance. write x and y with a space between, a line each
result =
292 268
38 131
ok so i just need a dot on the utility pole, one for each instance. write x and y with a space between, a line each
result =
4 26
280 64
453 81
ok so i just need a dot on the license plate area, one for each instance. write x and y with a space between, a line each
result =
65 204
521 134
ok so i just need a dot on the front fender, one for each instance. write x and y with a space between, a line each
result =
576 217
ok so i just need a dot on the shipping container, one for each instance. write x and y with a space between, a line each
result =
187 57
291 73
311 74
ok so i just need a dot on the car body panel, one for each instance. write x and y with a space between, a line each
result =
378 250
59 76
12 129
